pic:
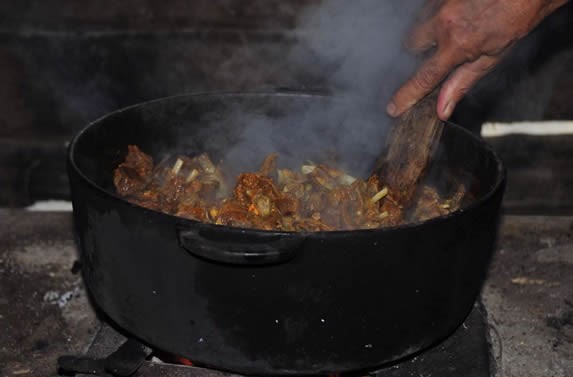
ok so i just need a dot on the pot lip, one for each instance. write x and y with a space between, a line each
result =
500 180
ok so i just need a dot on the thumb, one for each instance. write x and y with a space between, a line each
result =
461 81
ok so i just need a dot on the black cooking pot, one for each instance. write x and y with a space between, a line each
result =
272 303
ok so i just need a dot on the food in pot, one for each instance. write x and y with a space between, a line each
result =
316 198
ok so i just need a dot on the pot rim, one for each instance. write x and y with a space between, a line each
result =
501 174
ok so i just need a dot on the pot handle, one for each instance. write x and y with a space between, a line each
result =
240 247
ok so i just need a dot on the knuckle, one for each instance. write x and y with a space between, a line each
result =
459 33
468 44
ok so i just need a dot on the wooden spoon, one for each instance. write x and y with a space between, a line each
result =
409 148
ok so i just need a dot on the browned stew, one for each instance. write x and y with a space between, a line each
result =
316 198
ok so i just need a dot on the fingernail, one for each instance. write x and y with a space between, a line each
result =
391 109
448 109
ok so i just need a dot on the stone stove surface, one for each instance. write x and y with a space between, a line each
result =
44 311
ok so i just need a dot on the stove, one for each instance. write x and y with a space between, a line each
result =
467 352
521 326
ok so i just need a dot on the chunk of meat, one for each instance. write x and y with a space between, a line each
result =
250 185
133 174
233 214
288 205
429 205
193 212
269 165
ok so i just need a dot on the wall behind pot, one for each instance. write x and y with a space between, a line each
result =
65 63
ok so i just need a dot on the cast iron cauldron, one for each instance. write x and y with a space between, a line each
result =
271 303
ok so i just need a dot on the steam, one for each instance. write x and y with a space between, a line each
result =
355 49
358 44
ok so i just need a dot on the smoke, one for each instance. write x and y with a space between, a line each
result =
358 44
355 49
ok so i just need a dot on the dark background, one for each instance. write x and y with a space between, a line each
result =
64 63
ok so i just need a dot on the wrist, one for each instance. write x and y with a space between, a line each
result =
549 6
538 11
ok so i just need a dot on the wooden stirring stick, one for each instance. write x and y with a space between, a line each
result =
409 148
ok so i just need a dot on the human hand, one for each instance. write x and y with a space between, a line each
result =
469 37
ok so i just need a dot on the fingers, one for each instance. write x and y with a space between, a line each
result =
426 78
461 81
422 38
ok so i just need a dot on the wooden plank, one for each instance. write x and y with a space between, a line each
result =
409 148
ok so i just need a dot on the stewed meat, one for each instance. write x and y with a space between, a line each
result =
316 198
